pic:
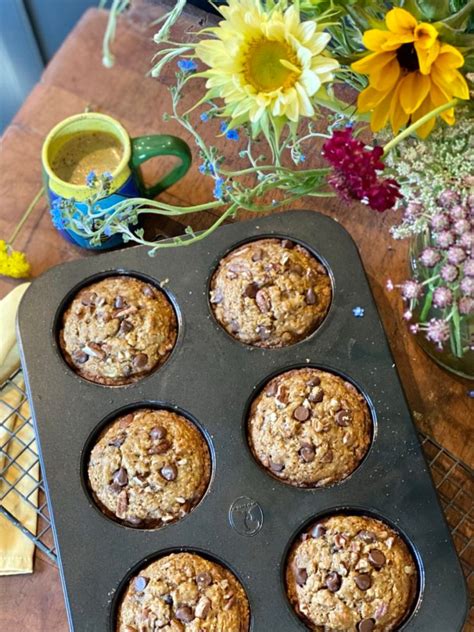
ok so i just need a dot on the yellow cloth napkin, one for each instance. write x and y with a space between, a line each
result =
16 550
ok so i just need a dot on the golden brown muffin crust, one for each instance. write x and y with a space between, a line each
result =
309 427
270 293
117 330
351 573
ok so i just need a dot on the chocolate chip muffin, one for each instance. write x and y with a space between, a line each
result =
149 468
309 428
351 573
270 293
184 592
117 330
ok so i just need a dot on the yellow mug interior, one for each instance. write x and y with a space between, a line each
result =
75 125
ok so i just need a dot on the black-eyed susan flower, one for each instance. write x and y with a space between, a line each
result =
265 63
411 72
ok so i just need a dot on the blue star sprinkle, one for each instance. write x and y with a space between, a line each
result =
358 312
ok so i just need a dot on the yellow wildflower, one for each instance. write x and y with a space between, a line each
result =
13 263
411 72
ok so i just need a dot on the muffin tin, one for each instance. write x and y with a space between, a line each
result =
247 520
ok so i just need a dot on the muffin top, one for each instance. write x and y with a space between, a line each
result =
149 468
270 293
351 573
309 427
184 592
117 330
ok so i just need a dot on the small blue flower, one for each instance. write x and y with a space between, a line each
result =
107 176
108 230
230 134
204 117
302 158
91 179
218 189
57 216
187 65
203 169
358 312
471 393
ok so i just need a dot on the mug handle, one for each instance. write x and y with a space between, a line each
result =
146 147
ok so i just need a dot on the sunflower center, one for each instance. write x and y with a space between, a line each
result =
263 67
408 58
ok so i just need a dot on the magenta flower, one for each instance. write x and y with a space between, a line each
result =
457 212
449 273
389 285
462 226
466 306
468 269
438 332
411 289
467 286
442 297
430 257
408 314
467 240
439 222
456 255
413 209
444 239
448 198
356 171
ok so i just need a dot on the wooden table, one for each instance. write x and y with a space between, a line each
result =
76 79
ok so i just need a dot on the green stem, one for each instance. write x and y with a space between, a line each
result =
426 306
26 215
414 126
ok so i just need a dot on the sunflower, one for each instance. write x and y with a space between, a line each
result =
265 63
411 72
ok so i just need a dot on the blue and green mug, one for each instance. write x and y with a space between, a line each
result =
127 181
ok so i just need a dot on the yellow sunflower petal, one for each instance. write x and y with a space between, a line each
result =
368 99
414 89
400 21
386 75
398 116
425 35
426 56
368 63
380 115
394 40
450 57
424 108
374 39
453 84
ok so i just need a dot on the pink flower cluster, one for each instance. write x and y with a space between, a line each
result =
356 171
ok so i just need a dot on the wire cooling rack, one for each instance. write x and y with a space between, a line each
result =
454 482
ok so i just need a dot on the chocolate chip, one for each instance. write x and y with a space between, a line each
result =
126 421
122 503
168 599
263 302
157 433
120 477
116 442
366 625
263 332
282 394
88 299
316 395
327 457
184 614
363 581
160 448
271 389
257 255
115 488
333 581
169 472
286 243
119 302
251 290
203 607
376 558
343 418
121 313
310 297
134 521
234 326
276 467
217 296
148 291
301 576
367 536
307 452
125 327
203 579
340 541
318 531
313 381
302 413
140 360
80 357
127 370
140 583
96 350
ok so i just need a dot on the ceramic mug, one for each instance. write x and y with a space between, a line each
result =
127 181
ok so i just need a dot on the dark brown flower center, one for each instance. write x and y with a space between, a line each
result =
407 57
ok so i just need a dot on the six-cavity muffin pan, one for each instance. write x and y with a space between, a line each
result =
247 520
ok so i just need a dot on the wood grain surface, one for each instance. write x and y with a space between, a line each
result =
74 80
